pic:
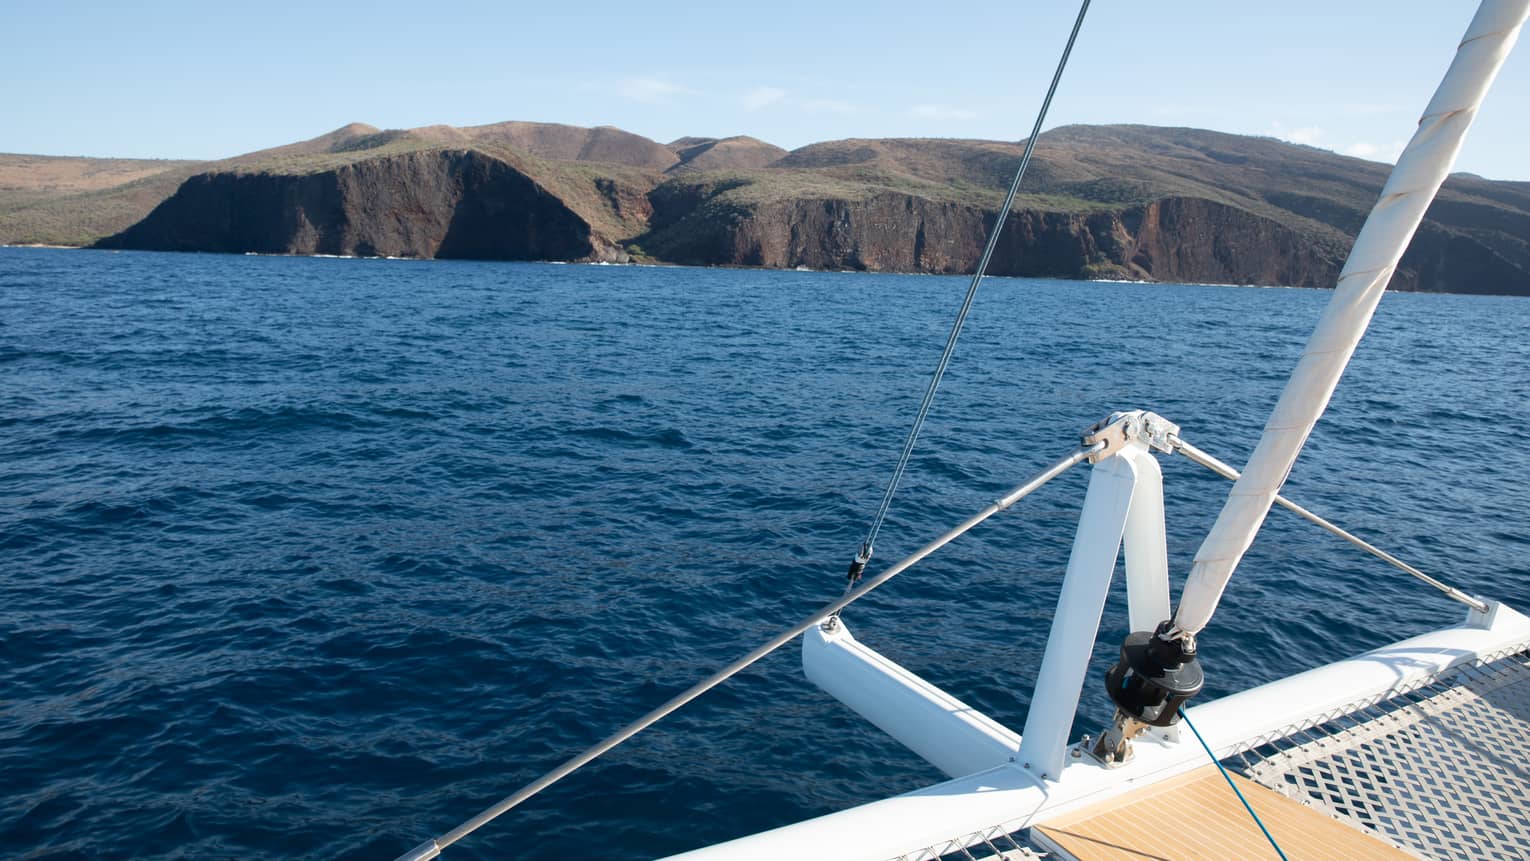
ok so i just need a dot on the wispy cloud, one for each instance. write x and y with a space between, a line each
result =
827 106
763 97
1376 152
1309 135
649 90
941 112
1315 136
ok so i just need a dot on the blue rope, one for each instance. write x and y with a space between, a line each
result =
1227 777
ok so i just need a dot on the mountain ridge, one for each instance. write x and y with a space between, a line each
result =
1119 201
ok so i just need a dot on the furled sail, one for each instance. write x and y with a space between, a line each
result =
1420 169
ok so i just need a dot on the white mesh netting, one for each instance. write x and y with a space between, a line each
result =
1440 772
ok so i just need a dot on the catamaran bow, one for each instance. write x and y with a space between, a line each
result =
1018 780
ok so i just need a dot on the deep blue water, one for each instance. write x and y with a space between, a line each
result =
317 558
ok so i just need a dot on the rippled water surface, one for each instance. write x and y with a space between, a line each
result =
316 558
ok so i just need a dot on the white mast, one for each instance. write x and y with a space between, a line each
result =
1420 169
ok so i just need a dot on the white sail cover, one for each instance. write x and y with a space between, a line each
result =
1420 169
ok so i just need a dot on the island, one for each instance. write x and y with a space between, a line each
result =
1101 202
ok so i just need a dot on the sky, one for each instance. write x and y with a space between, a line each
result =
163 79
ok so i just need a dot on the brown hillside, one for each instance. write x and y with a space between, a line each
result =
421 203
1099 201
1294 209
735 153
436 191
572 143
68 175
51 201
106 196
334 141
678 144
978 164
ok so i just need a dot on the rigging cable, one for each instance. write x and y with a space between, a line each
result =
858 565
1222 469
432 848
1227 777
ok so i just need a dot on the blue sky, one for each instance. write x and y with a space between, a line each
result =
199 80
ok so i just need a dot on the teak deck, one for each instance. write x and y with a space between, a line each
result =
1196 816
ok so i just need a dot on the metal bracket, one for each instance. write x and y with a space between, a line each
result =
1107 437
1159 433
1113 748
1150 429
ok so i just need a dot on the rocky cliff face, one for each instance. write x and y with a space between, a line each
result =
1196 240
1175 239
433 203
1102 202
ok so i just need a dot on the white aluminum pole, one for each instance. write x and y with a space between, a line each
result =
1096 544
1145 545
946 732
1421 168
1006 799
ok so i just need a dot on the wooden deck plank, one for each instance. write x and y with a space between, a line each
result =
1196 817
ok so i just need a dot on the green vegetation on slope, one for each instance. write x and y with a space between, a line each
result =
631 190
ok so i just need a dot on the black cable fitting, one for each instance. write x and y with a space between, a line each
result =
857 568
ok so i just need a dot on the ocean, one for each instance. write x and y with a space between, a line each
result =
315 558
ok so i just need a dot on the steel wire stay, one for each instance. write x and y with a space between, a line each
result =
864 554
432 848
828 613
1222 469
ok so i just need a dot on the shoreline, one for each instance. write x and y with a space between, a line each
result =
661 264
